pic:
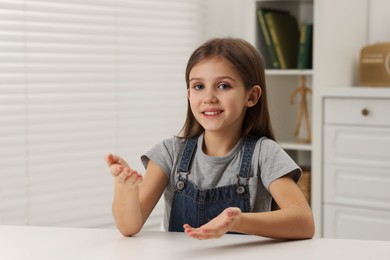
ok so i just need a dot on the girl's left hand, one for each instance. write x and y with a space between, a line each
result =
217 227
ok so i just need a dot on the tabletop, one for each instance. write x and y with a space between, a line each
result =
27 242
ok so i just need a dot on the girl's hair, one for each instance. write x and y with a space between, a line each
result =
248 62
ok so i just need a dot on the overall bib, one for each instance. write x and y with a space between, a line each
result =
196 206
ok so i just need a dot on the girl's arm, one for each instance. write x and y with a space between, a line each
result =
135 196
293 220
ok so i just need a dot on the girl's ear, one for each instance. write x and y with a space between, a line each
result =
254 96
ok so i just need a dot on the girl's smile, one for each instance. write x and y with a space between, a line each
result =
212 112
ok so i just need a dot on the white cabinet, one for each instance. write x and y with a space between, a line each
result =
356 165
356 223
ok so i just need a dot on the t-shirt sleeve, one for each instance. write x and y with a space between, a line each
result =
275 163
163 154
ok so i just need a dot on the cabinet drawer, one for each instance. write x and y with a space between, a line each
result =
363 146
357 111
357 186
356 223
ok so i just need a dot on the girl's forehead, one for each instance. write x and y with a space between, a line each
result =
213 59
215 68
214 62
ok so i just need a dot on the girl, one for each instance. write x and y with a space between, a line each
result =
225 170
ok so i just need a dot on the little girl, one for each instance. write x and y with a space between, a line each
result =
224 172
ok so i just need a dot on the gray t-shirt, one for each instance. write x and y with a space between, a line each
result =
269 162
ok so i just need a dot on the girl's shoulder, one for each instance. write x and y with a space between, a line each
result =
170 143
266 147
265 142
164 153
173 145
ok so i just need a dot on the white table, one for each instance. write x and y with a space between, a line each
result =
22 242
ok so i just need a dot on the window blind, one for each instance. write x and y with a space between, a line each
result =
79 79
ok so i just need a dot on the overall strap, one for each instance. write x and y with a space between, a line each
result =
249 146
188 152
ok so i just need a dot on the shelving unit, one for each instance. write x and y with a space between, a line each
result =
281 84
280 87
277 72
296 146
302 10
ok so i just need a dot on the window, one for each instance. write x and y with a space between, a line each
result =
79 79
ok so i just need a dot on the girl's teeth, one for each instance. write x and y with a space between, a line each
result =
211 113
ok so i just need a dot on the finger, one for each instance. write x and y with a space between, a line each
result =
139 179
200 234
131 177
194 232
187 228
123 175
109 159
116 170
113 159
230 213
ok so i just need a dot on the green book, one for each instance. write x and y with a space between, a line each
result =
274 62
305 52
284 33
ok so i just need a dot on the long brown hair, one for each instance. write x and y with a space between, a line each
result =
249 64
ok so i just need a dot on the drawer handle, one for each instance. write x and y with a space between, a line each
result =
365 112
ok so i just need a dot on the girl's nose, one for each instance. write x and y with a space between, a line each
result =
210 97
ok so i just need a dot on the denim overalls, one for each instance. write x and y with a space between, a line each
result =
195 206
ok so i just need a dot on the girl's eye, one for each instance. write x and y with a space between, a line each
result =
198 87
223 86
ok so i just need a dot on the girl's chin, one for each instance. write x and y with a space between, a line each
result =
214 129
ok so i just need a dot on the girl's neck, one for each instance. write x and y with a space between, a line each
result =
217 144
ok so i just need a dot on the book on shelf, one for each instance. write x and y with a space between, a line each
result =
305 52
271 58
284 32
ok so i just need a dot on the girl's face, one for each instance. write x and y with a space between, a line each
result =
217 96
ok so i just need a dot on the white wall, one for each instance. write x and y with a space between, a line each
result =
232 18
378 21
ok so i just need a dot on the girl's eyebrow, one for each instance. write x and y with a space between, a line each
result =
218 78
195 79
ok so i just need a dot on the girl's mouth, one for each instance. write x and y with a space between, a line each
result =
212 113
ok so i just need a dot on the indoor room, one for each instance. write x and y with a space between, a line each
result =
94 91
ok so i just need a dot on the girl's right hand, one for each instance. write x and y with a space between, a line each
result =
123 174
